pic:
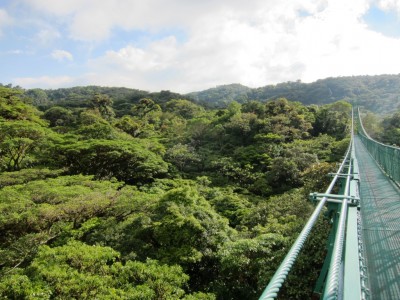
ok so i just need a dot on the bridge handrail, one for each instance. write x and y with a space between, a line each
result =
273 287
332 282
388 157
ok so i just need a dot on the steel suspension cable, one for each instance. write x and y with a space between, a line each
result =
272 289
333 279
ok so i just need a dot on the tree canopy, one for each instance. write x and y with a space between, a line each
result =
122 194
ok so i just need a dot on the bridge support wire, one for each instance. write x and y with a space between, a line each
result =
272 289
333 282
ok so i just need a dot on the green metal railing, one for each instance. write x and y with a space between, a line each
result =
387 157
334 279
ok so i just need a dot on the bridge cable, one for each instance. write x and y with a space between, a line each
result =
273 287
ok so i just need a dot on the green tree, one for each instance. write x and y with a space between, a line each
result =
241 125
232 206
13 108
27 175
183 108
391 129
145 107
40 211
103 104
186 227
18 142
232 170
173 127
254 107
333 119
247 264
59 116
94 126
286 171
80 271
291 120
198 130
130 161
38 96
182 156
129 125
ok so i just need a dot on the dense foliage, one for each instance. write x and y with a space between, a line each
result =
376 93
159 198
82 97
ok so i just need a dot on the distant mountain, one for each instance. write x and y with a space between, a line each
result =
379 93
222 95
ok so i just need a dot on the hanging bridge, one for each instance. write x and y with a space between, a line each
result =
363 204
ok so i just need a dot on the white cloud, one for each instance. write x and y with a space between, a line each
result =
226 44
255 42
15 52
92 20
336 42
5 20
45 82
158 56
389 5
61 55
150 68
253 45
47 35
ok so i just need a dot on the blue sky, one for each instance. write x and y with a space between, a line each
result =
384 21
185 45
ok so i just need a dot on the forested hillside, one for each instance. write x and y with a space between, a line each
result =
75 97
380 94
376 93
133 195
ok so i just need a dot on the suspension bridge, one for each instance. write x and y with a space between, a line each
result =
363 204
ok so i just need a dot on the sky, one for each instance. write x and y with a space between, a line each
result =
192 45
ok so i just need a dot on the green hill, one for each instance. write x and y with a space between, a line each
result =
379 93
75 97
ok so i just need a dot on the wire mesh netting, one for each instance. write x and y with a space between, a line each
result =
380 211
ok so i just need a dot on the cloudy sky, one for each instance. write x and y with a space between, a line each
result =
190 45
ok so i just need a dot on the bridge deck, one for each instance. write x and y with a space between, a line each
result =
380 213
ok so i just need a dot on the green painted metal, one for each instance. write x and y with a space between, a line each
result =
363 260
388 157
352 285
335 281
343 273
272 289
333 215
347 174
344 278
380 215
335 198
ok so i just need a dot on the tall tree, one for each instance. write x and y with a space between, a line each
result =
18 140
103 103
13 108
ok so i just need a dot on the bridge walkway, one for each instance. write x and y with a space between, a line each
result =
380 214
